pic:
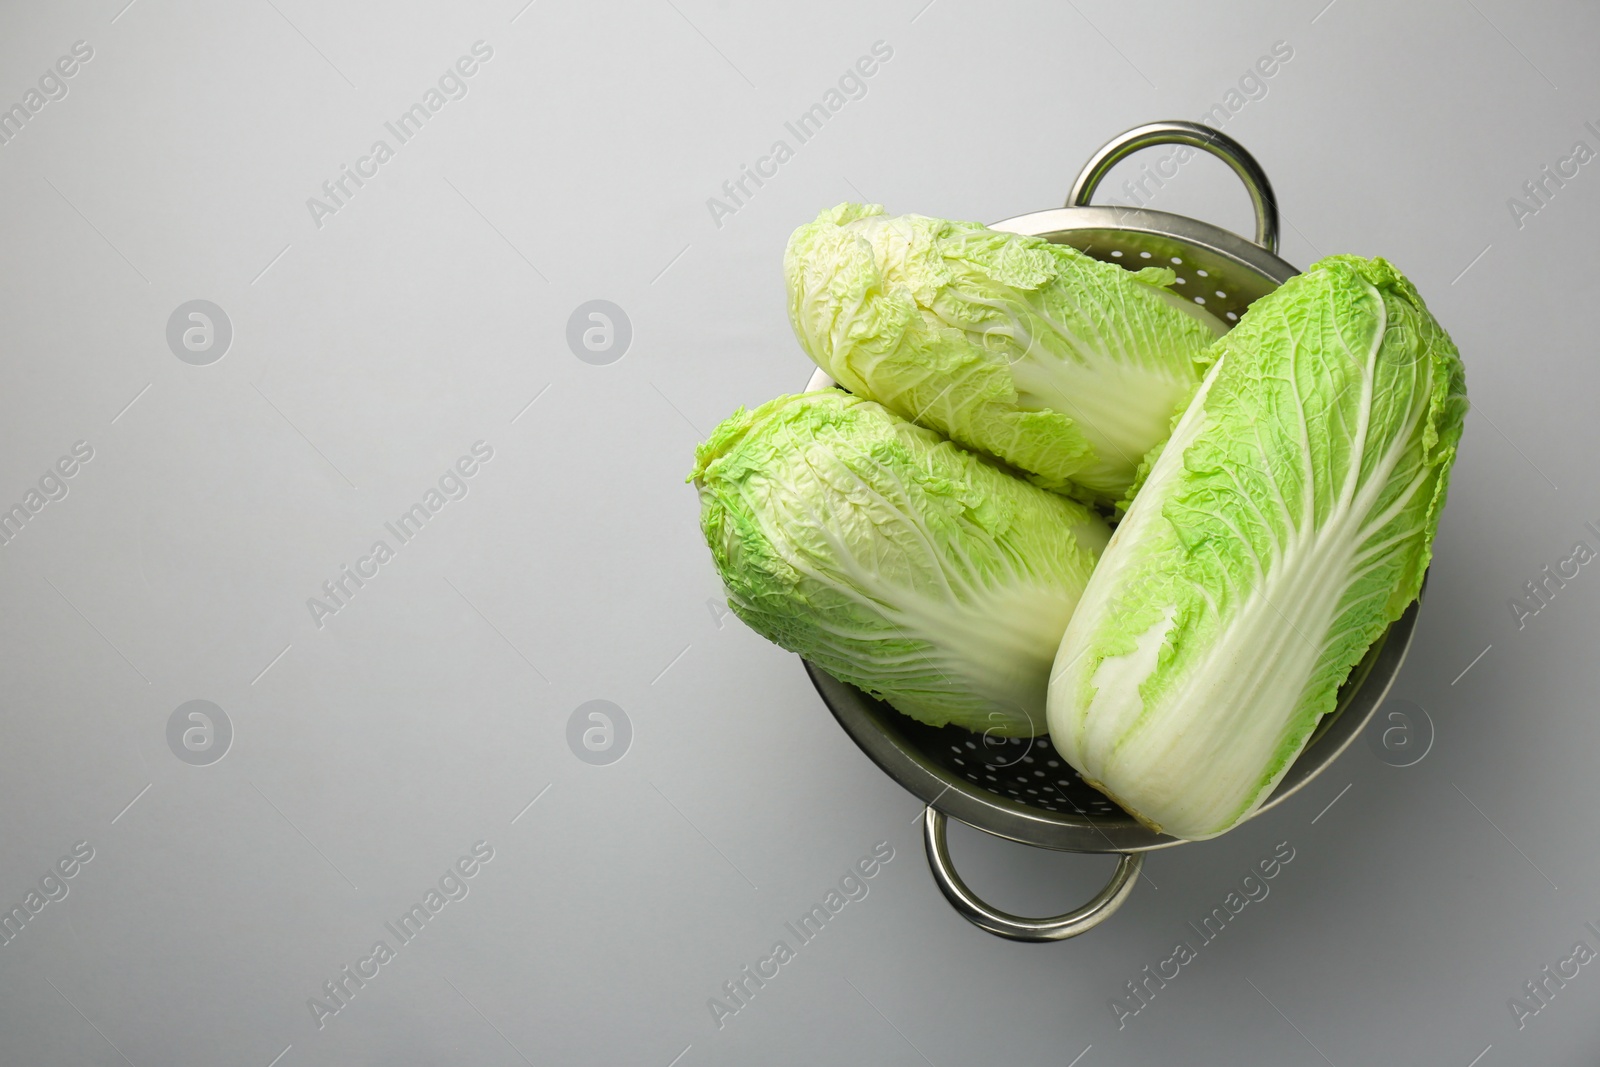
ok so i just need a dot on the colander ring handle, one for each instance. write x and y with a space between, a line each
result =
1196 135
980 914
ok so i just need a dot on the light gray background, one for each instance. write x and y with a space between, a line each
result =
369 353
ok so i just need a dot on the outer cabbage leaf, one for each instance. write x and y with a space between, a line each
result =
894 560
1286 523
1067 368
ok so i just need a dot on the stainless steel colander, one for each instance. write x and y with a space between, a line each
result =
1022 789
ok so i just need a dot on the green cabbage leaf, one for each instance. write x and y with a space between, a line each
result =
1286 523
1067 368
895 561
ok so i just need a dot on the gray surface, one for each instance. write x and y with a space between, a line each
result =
427 713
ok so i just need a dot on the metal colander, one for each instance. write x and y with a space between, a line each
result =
1022 789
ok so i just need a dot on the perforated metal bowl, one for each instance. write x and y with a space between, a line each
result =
1022 789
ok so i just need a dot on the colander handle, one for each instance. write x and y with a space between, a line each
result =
1015 927
1177 131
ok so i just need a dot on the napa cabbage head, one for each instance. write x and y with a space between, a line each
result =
1287 522
1066 367
894 560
